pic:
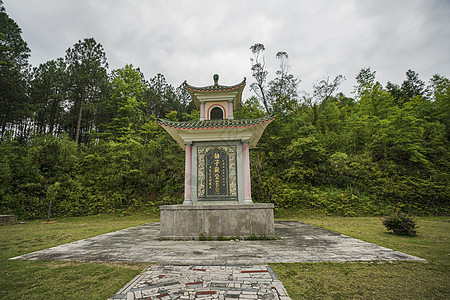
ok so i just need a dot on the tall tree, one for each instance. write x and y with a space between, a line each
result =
259 73
14 54
160 97
14 51
48 93
440 92
412 86
365 81
185 100
126 103
88 77
396 91
283 90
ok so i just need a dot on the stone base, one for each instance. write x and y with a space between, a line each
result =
213 221
8 219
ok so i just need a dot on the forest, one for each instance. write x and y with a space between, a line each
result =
79 139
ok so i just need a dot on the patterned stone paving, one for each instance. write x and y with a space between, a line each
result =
204 282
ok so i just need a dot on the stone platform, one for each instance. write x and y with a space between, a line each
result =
297 242
188 222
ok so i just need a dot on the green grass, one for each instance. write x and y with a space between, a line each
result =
375 280
62 280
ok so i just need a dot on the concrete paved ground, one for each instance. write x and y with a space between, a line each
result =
297 242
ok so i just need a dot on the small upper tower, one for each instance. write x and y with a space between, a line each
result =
216 102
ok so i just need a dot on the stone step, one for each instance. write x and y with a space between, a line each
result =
8 219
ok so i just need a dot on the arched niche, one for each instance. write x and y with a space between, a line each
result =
216 113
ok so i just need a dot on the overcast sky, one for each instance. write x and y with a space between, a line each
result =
193 39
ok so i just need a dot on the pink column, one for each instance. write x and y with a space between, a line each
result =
230 110
202 110
246 165
188 175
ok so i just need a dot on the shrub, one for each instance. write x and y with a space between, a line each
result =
401 224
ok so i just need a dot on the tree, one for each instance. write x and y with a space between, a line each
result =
14 53
160 97
440 93
48 93
251 109
412 86
376 103
259 73
323 91
365 80
396 91
185 100
283 90
56 161
88 77
126 104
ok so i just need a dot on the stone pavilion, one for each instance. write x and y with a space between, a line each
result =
217 198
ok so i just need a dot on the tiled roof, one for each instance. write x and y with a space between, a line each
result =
215 87
213 124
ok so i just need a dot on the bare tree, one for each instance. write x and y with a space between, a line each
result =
259 73
283 90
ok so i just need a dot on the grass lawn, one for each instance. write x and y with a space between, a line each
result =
62 280
375 280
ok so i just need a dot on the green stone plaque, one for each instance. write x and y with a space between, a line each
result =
216 174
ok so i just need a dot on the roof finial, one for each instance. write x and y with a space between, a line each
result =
216 79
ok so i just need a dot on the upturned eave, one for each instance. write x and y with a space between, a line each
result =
217 130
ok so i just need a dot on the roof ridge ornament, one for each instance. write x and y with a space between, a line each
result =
216 79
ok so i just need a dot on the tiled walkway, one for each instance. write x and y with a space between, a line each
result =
205 282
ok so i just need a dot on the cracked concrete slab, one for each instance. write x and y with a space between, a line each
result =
297 242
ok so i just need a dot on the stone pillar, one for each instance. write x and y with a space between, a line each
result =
230 110
246 166
188 175
202 111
